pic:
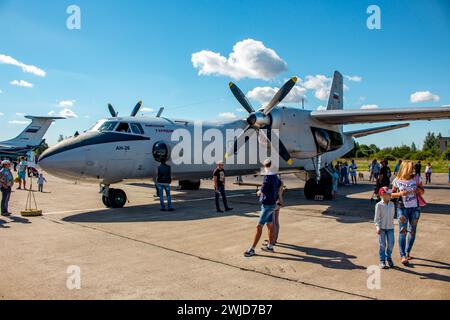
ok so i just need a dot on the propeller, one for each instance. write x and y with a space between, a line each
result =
136 109
262 119
240 96
160 112
112 111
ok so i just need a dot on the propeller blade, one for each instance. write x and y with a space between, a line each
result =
280 95
282 151
160 112
136 109
112 111
240 96
235 148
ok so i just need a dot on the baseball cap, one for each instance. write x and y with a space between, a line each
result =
385 190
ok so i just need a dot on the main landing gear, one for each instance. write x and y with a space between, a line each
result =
320 182
113 198
321 188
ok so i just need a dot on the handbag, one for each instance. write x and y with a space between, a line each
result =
421 201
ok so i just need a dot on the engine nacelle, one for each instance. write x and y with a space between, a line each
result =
327 140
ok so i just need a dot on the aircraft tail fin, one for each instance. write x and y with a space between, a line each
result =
33 134
336 99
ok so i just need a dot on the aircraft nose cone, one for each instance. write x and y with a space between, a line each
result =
63 160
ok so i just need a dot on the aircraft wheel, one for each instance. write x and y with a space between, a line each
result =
311 189
105 201
117 198
326 190
189 185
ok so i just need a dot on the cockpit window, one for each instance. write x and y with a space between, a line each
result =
107 126
123 127
136 128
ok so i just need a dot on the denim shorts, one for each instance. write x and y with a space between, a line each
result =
267 212
21 175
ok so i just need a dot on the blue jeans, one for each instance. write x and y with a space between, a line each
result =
6 193
386 240
407 223
221 192
166 188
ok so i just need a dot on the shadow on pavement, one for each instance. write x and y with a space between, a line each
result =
326 258
196 205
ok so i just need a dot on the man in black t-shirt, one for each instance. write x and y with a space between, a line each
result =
219 186
418 168
385 174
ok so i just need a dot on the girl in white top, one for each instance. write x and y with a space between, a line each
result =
408 211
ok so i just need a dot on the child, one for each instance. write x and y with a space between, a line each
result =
40 181
335 181
384 221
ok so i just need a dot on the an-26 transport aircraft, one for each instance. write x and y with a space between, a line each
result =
125 148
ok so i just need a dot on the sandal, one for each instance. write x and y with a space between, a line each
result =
408 257
404 261
265 243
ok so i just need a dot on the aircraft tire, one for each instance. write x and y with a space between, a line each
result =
311 189
117 198
189 185
105 201
325 188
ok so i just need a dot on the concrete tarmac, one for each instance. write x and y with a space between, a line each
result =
139 252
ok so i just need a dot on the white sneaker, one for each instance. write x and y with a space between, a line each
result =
268 248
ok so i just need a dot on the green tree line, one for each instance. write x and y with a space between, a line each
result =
430 150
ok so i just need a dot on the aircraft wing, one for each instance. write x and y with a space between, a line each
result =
381 115
366 132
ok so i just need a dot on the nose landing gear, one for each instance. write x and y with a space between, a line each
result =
113 198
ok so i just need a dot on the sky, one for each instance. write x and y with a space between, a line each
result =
181 55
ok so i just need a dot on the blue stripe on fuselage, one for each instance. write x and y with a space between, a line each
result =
88 139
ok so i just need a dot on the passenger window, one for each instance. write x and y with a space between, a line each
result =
123 127
107 126
137 128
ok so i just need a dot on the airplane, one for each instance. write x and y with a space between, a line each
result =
29 139
131 148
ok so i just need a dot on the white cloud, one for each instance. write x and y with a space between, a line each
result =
4 59
249 59
68 113
1 91
18 122
320 84
353 78
423 96
321 108
1 114
228 115
52 113
21 83
241 110
20 114
145 110
66 103
369 106
265 94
